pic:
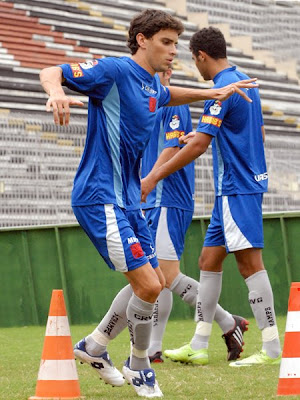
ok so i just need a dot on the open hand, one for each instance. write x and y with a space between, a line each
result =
60 105
225 92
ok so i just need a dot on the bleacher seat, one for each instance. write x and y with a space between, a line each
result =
39 160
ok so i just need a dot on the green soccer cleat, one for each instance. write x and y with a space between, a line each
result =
188 356
260 358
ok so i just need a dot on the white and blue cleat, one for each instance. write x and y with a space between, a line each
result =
102 364
143 381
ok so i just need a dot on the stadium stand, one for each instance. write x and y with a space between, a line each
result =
273 25
38 159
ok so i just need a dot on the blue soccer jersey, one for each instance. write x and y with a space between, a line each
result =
177 190
238 151
123 103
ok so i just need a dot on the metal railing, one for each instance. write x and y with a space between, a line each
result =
38 161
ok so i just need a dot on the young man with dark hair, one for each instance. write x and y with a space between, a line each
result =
124 96
236 131
169 210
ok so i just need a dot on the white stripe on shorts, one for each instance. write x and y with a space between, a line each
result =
113 239
165 249
234 238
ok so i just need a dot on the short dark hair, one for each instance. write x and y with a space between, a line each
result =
149 22
211 40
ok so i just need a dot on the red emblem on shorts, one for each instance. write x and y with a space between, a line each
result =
136 250
152 104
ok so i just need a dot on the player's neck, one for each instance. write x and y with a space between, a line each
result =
218 66
142 62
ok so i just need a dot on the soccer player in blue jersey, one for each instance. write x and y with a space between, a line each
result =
236 131
169 211
124 97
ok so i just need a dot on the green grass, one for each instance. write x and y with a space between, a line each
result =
21 350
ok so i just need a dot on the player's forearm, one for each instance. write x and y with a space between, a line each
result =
186 155
181 95
51 79
165 156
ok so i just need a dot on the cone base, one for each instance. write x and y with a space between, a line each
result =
288 387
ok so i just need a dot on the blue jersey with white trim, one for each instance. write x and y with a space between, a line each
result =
123 103
238 150
177 190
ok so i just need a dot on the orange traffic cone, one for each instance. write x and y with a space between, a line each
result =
289 375
57 377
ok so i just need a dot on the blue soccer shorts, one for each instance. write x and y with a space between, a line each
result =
121 237
236 222
168 226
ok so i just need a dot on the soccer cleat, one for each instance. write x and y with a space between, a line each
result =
102 364
234 338
143 381
156 358
186 355
260 358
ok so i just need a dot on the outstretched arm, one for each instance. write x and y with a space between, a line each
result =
51 79
194 148
181 95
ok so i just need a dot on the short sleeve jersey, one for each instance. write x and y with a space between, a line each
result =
123 102
238 151
177 190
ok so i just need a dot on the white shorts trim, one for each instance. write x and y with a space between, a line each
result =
234 238
165 249
113 238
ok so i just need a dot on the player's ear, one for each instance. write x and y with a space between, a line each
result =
141 40
201 55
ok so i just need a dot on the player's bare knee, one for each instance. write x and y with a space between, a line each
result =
247 269
157 288
150 292
204 264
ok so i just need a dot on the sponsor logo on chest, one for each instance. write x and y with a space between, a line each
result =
148 89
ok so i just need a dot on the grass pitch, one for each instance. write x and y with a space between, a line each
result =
21 350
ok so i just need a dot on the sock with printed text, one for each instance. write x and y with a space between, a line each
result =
208 296
139 320
162 309
111 324
262 304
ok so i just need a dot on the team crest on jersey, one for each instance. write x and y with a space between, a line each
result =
174 124
216 108
136 250
88 64
152 104
76 70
